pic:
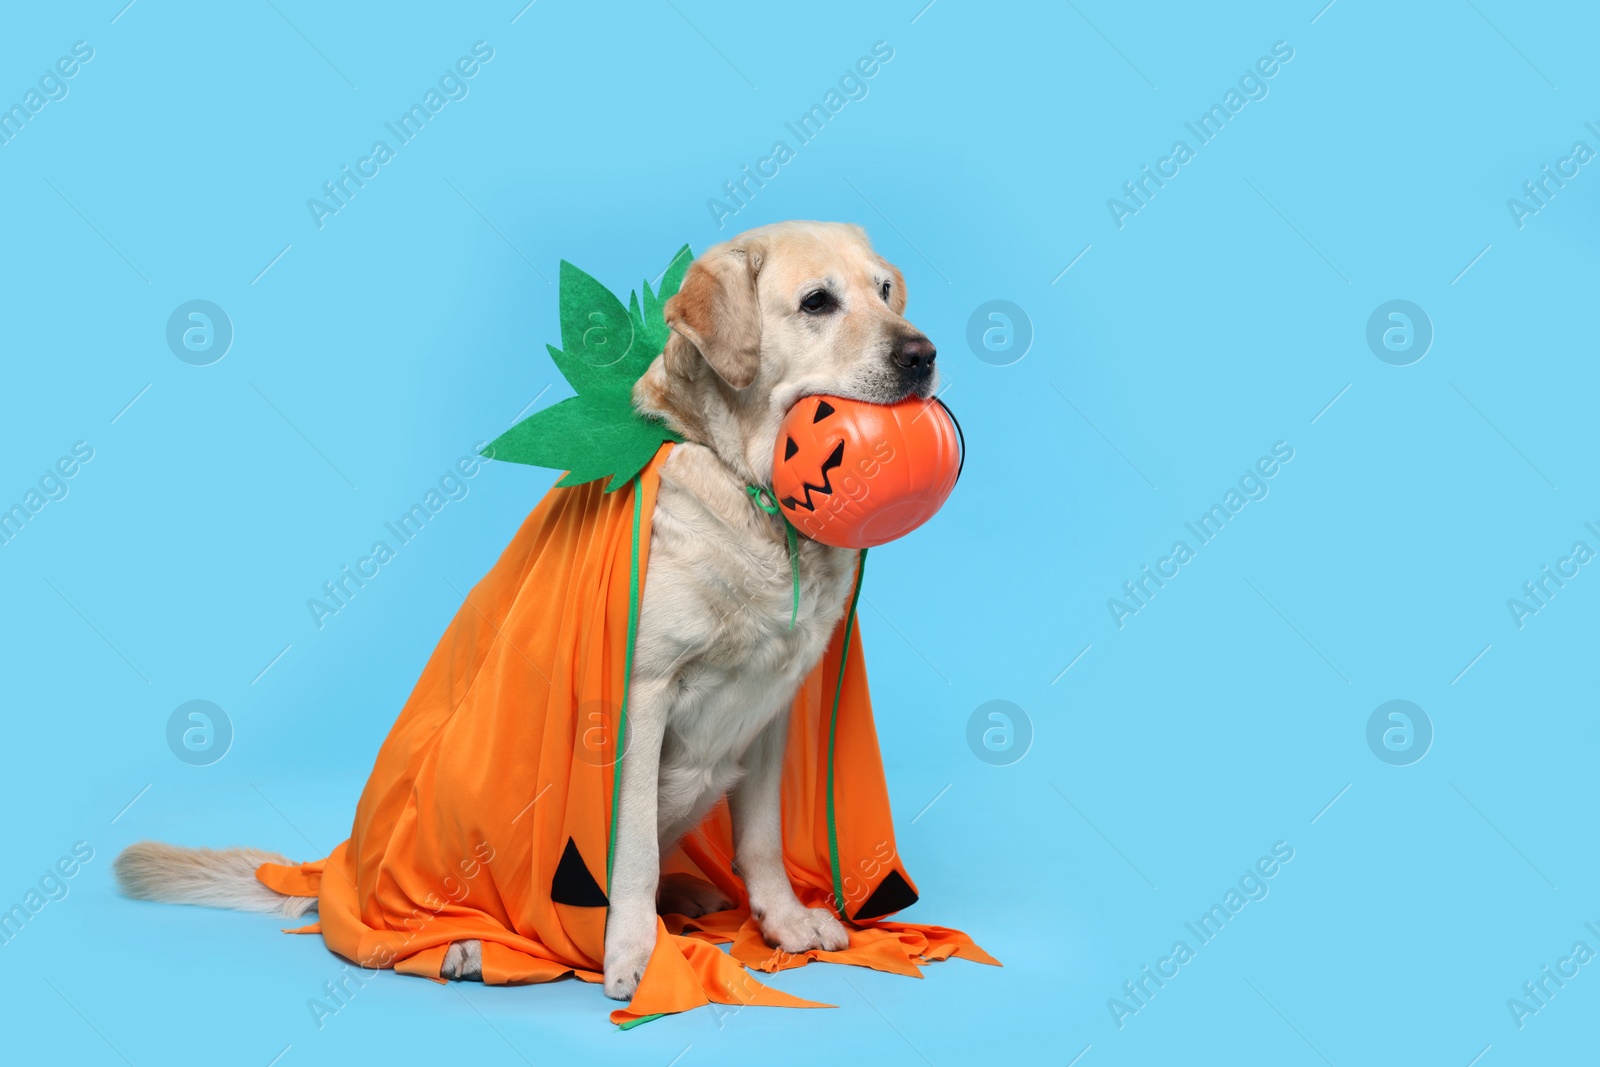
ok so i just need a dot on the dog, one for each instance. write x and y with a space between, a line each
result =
775 314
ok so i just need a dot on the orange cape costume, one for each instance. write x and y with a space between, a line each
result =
490 812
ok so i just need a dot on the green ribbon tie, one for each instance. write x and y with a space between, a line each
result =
763 499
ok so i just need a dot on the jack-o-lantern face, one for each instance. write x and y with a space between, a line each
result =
854 475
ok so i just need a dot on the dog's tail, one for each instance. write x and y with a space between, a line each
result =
213 877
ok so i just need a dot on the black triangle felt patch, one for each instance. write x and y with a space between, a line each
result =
824 409
892 894
790 449
574 885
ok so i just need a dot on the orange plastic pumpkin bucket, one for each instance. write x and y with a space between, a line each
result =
856 475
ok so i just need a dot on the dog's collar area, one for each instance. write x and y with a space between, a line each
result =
764 499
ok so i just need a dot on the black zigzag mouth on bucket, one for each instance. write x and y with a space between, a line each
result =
834 460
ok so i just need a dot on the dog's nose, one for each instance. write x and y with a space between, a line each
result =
915 353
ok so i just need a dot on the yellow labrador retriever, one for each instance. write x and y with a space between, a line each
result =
776 314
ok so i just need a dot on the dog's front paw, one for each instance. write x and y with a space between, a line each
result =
802 929
628 949
463 961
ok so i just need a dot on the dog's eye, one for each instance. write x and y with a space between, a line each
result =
884 292
817 302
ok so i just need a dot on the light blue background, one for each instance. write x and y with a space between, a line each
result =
1223 317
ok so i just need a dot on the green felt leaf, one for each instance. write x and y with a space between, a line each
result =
587 378
590 437
634 314
604 349
652 326
596 329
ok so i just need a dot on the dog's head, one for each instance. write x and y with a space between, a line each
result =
776 314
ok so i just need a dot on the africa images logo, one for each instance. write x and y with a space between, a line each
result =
452 85
51 87
852 85
1252 886
1252 86
1138 592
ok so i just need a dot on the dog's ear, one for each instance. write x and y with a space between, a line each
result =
716 310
